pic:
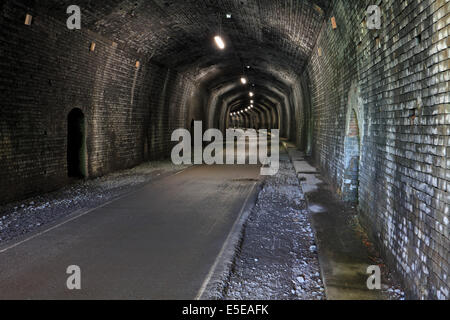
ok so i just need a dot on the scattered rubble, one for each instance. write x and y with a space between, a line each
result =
278 256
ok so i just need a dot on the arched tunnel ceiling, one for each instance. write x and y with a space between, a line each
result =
261 75
274 38
236 99
233 98
226 84
179 33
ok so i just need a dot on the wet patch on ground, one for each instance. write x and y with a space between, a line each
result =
277 258
345 250
19 218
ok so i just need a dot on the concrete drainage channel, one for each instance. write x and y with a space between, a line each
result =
344 250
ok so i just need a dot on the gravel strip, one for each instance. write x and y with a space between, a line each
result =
278 257
19 218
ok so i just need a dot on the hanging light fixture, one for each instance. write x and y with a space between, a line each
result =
219 42
251 94
244 80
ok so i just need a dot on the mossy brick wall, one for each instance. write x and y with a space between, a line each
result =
397 79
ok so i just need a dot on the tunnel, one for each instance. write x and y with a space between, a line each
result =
357 92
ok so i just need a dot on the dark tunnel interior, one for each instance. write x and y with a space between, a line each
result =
369 107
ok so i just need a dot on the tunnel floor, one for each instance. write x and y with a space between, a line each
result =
156 243
181 217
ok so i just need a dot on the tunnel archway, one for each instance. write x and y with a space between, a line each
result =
76 144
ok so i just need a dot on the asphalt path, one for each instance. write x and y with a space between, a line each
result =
160 242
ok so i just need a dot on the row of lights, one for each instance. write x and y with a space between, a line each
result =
220 43
244 110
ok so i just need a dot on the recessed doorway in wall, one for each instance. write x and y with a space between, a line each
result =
76 145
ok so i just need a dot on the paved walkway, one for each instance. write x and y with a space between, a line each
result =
157 243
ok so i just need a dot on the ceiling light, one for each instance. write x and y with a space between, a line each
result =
244 80
219 42
248 67
251 94
229 15
251 101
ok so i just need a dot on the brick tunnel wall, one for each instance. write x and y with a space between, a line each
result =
48 70
397 81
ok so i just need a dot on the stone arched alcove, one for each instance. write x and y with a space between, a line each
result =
352 146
